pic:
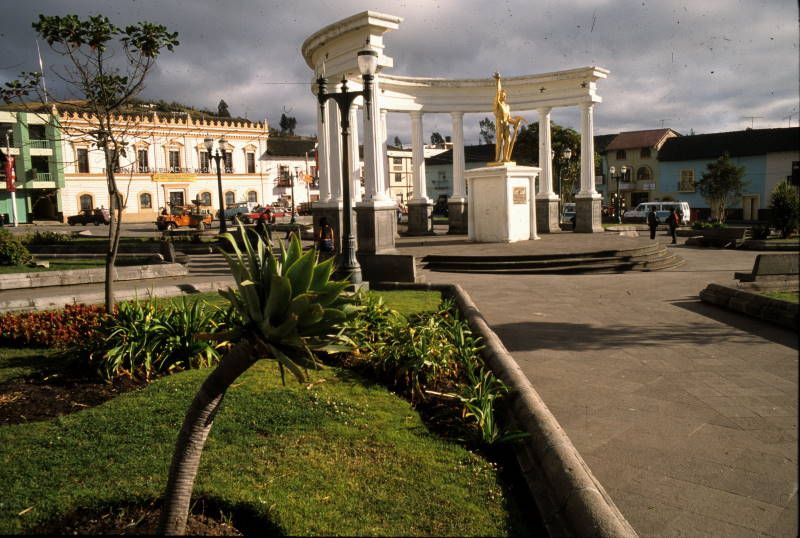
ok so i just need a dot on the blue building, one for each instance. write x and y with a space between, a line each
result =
767 156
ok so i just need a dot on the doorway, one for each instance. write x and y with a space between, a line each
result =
176 198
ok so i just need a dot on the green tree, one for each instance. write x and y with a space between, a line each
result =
721 185
287 307
436 138
487 132
287 124
526 152
398 143
784 208
108 81
222 109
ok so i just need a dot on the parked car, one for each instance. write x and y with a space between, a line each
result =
232 211
256 213
96 216
639 213
304 208
182 217
568 213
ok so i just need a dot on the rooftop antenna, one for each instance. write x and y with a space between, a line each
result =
662 120
752 119
789 117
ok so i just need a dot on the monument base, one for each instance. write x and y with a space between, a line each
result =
420 221
457 214
500 203
588 214
376 226
333 212
547 216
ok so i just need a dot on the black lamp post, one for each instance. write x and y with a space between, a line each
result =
347 266
223 225
617 177
567 155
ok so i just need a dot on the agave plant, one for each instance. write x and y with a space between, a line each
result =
287 307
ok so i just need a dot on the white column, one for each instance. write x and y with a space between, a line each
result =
545 155
354 161
373 147
322 154
384 156
459 184
587 152
418 158
335 153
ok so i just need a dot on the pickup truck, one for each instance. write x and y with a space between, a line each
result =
238 209
180 216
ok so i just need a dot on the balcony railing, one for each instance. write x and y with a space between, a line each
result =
39 144
170 170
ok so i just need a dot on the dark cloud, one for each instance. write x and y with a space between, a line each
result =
703 66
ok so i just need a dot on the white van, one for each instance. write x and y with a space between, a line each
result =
639 214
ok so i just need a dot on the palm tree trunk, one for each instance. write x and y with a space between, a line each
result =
193 434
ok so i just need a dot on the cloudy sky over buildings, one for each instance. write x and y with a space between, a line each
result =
707 66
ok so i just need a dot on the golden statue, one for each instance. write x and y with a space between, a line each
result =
503 121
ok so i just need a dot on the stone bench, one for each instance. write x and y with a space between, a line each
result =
717 237
774 270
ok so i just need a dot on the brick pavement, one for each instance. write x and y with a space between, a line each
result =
686 413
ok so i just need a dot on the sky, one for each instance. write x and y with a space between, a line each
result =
710 66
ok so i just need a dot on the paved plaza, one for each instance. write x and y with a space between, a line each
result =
686 413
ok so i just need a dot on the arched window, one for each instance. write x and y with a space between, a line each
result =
230 198
252 196
205 198
145 201
86 201
644 174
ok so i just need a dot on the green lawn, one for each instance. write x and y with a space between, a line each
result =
340 457
55 265
790 296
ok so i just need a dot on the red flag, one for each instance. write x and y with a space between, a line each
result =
11 175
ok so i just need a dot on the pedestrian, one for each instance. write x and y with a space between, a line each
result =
324 239
672 222
263 225
652 222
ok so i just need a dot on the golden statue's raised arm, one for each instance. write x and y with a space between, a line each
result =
502 123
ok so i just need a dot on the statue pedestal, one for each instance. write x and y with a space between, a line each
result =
588 214
500 203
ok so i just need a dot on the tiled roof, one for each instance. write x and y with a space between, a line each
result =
289 147
734 143
640 139
601 142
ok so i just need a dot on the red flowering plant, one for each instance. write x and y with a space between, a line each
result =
57 329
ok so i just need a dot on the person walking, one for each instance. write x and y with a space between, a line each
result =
263 224
672 222
652 222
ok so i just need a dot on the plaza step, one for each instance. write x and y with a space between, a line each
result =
654 257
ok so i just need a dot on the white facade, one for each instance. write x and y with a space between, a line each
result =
166 161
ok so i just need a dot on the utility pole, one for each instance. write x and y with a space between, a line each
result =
752 119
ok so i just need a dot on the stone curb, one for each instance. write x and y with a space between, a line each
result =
48 303
571 500
775 311
73 277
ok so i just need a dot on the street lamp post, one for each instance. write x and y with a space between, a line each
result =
347 266
621 175
223 226
567 155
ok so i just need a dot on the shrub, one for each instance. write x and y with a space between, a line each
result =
759 231
784 209
58 329
45 237
12 251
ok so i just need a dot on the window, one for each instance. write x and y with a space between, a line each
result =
205 198
83 161
644 153
644 174
176 198
228 162
174 160
145 201
283 171
230 197
205 165
86 201
621 154
252 196
686 181
398 178
141 160
251 163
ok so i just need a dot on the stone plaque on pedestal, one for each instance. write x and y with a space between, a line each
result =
500 203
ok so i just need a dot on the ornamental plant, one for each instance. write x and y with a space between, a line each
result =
12 251
785 208
58 329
